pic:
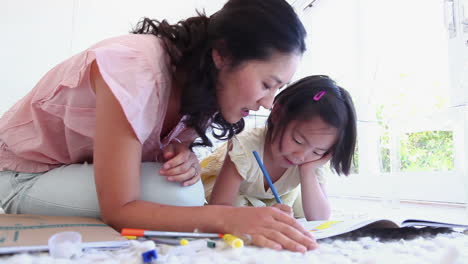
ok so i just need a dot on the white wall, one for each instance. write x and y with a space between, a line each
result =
36 35
458 52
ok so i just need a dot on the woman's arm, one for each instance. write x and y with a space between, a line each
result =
117 160
227 183
314 198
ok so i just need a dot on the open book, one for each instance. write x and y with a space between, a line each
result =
19 233
324 229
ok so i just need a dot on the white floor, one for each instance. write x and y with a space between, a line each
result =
358 208
442 249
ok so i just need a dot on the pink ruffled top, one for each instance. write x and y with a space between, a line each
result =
54 124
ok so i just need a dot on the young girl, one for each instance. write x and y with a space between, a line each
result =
312 122
108 132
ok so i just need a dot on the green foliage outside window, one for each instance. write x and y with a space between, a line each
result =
355 164
384 140
427 151
420 151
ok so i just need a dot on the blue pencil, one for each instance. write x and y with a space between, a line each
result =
267 177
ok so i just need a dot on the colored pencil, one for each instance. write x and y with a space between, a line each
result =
267 177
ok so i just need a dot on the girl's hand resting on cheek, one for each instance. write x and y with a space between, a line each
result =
269 227
181 164
312 165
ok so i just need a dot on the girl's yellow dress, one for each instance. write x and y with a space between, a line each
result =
251 191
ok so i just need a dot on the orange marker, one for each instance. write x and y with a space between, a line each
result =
141 232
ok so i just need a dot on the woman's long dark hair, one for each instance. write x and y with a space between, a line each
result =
242 30
335 108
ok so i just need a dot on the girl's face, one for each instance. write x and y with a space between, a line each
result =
303 142
251 84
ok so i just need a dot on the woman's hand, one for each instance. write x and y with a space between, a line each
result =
285 208
269 227
181 164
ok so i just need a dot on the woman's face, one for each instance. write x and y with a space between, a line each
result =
251 84
303 142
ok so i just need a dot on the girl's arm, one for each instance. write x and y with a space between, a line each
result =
117 161
227 183
314 198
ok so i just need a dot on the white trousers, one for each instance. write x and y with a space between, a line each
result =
70 191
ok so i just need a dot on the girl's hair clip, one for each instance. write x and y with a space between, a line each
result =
319 95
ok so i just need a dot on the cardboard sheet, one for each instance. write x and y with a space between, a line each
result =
20 233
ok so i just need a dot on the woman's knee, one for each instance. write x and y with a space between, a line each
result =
156 188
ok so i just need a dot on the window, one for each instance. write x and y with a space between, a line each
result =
399 61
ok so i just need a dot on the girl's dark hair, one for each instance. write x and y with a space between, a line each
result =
335 107
242 30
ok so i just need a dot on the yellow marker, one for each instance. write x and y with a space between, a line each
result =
130 237
184 242
233 241
326 225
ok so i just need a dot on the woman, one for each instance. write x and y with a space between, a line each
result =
134 103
